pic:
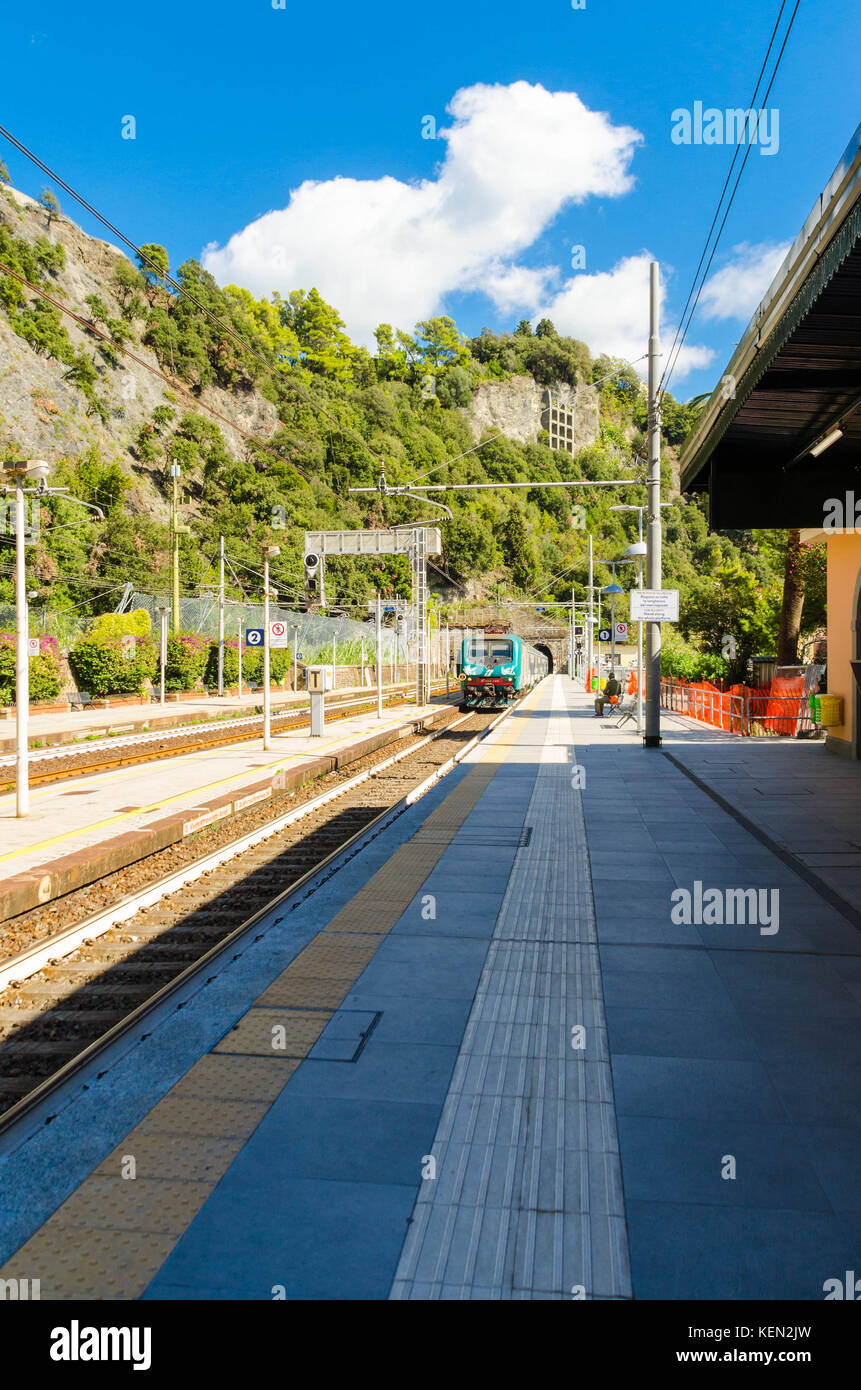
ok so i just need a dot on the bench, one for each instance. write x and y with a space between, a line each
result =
79 699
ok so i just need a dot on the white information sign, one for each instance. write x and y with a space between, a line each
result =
621 632
278 635
33 646
654 605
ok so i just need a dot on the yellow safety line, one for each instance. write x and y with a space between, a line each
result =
166 801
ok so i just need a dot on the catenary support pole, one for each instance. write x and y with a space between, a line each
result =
652 737
22 659
221 615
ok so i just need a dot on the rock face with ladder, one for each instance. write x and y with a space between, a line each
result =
417 542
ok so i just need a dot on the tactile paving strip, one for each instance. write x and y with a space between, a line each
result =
527 1201
92 1247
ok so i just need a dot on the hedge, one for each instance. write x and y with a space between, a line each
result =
280 660
44 670
99 666
187 655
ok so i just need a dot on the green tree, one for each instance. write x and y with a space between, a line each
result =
4 173
517 549
730 605
49 202
154 266
439 343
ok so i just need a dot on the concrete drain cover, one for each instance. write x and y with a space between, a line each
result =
344 1036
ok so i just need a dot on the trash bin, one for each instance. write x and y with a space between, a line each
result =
831 710
815 712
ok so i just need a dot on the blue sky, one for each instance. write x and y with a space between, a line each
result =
238 105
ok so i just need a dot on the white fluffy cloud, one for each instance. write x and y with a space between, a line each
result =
384 250
735 290
610 311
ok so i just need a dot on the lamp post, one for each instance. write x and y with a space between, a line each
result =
20 470
162 609
269 553
295 630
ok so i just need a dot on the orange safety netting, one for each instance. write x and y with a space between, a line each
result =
776 708
781 706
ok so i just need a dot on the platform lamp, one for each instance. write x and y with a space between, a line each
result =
269 553
162 608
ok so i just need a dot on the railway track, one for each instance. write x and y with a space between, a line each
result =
69 996
50 767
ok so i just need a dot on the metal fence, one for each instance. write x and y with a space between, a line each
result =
315 632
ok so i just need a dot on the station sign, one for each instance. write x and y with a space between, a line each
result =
655 605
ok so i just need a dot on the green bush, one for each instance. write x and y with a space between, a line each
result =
44 670
99 666
186 658
134 624
252 664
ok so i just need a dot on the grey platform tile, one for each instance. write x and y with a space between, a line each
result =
834 1155
631 931
666 1160
411 1020
686 962
655 1032
783 1037
643 989
384 1071
420 951
320 1240
457 914
788 984
340 1140
432 979
817 1093
681 1251
607 868
684 1086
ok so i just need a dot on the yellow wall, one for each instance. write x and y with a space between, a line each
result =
844 568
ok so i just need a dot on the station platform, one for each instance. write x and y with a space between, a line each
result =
165 800
483 1061
48 730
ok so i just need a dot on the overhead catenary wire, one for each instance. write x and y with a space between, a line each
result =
179 288
682 329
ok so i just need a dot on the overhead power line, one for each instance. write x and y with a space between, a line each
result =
180 289
684 325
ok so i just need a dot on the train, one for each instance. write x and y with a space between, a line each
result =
496 667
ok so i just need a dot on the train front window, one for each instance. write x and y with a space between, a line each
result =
489 651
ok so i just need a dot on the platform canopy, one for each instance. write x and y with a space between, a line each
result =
793 382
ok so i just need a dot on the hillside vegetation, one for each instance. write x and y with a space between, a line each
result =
273 414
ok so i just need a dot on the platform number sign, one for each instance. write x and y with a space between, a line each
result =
604 634
254 637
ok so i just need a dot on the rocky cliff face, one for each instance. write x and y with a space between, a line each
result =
519 408
45 416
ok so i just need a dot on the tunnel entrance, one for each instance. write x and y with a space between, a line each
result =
545 651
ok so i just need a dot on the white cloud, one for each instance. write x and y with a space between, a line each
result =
610 311
384 250
735 290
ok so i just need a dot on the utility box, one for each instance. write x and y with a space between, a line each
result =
319 678
318 713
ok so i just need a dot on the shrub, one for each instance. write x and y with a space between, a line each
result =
134 624
186 658
252 663
100 667
44 670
